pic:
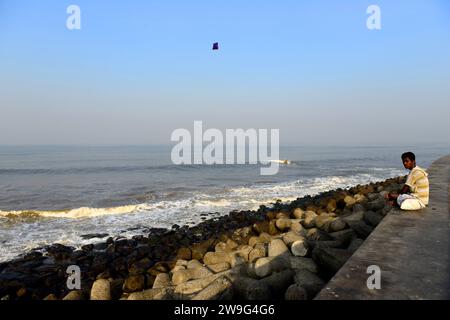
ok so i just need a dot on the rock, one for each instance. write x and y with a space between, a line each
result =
265 237
197 285
344 236
261 227
295 292
330 259
231 245
236 259
354 245
189 274
216 257
250 289
387 208
74 295
361 228
376 205
315 234
254 240
272 228
309 220
101 290
354 217
298 213
244 251
299 248
290 237
162 280
134 282
282 215
181 262
219 289
259 251
332 205
51 297
194 264
184 254
372 218
283 224
323 221
278 282
221 247
199 249
337 225
152 294
277 248
298 263
265 266
309 281
349 201
296 226
219 267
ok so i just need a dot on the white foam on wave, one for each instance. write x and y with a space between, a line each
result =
83 212
20 235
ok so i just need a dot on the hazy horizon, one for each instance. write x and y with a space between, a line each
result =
138 70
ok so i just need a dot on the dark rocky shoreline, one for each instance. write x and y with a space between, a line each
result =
287 251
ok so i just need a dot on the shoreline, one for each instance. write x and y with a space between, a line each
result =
131 266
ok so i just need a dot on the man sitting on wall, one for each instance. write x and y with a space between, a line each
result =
414 194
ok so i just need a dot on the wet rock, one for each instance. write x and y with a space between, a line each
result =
93 236
184 254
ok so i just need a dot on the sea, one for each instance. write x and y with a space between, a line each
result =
66 194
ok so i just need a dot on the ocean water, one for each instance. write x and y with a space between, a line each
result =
57 194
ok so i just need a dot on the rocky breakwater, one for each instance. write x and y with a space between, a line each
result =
288 251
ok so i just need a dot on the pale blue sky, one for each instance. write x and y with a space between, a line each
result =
137 70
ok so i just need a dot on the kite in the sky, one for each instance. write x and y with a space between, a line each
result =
215 46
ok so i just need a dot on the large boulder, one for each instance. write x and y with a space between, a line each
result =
372 218
277 248
309 220
309 281
101 290
330 259
189 274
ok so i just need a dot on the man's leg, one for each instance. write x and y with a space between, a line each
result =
408 202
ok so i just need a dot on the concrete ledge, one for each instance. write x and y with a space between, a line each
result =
411 248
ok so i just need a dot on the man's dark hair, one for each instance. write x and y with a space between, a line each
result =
411 156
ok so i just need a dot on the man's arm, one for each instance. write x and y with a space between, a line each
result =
394 196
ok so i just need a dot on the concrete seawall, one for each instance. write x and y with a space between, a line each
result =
411 249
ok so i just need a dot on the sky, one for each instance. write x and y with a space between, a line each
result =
138 70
